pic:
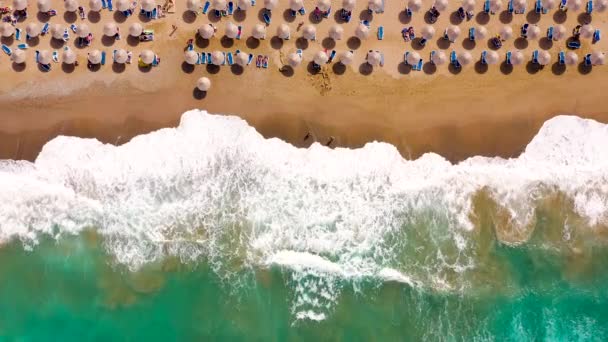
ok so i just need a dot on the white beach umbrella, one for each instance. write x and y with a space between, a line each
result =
217 58
506 32
362 31
32 29
148 5
294 59
147 56
135 29
94 56
7 30
18 56
373 58
110 29
70 5
219 5
123 5
82 30
374 5
324 5
347 57
193 5
336 32
601 5
549 4
439 58
348 5
19 5
121 56
320 57
206 31
559 32
468 5
270 4
517 58
44 5
587 31
231 30
95 5
427 32
283 31
571 58
533 32
57 31
492 57
244 4
413 58
44 57
495 6
203 84
295 5
574 5
597 58
452 32
414 5
309 32
441 5
481 32
241 58
544 57
259 31
68 56
465 58
190 57
519 5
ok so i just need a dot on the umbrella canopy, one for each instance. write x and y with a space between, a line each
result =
18 56
217 58
517 58
231 30
320 57
270 4
95 5
7 30
241 58
439 58
519 5
94 57
309 32
413 58
190 57
294 59
574 5
324 5
193 5
259 31
481 32
468 5
373 58
135 29
121 56
347 57
427 32
362 31
452 32
147 56
203 84
110 29
44 5
336 32
206 31
533 32
32 29
219 5
348 5
243 4
374 5
295 5
571 58
465 58
544 57
70 5
441 5
57 31
587 31
414 5
597 58
283 31
19 5
82 30
123 5
559 32
549 4
68 56
601 5
492 57
506 32
148 5
44 57
495 6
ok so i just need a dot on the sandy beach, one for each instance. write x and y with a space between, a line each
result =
481 110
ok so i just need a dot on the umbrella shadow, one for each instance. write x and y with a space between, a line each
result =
252 43
118 68
288 17
144 69
237 69
70 17
310 67
366 69
119 17
584 18
33 41
454 70
187 68
200 42
338 68
532 68
455 19
18 67
505 17
7 40
558 69
416 44
213 69
429 68
584 69
328 43
481 68
313 18
226 42
353 43
276 42
188 17
491 45
198 94
403 68
43 17
404 18
505 68
133 41
482 18
93 17
468 44
94 67
545 43
287 71
213 18
443 44
239 16
107 41
560 17
532 17
428 18
302 43
366 15
520 43
68 68
57 43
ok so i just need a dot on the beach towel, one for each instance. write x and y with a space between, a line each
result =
381 59
407 53
206 7
332 55
7 50
380 32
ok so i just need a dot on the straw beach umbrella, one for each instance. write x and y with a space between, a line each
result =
193 5
374 5
601 5
348 5
219 5
481 33
549 4
32 29
94 57
135 30
506 32
587 31
574 5
414 5
519 5
336 32
468 5
283 31
324 5
123 5
373 58
121 56
148 5
57 31
7 30
428 32
362 31
241 58
320 57
571 58
295 5
439 58
82 30
597 58
95 5
309 32
294 59
110 29
243 5
44 57
544 57
68 56
465 58
190 57
217 58
495 6
203 84
559 32
206 31
452 32
347 57
44 5
533 32
259 31
413 58
231 30
70 5
270 4
517 58
19 5
147 56
441 5
492 57
18 56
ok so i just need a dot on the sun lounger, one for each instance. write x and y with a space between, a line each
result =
155 61
365 22
103 57
250 59
66 35
18 34
326 14
561 58
202 58
302 11
258 61
550 33
55 56
454 60
405 58
230 58
431 55
209 57
7 50
563 5
380 32
597 35
332 55
472 34
45 29
381 59
524 30
538 7
206 7
154 14
230 8
110 6
73 28
265 62
510 6
104 4
508 58
483 60
408 12
127 13
252 3
418 66
574 44
486 6
422 42
266 16
589 6
22 46
238 35
535 57
587 59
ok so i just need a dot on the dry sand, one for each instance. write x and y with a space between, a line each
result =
490 111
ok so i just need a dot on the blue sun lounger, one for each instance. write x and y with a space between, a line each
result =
365 22
380 32
597 35
418 66
563 5
45 29
103 58
250 59
454 60
73 28
66 35
266 16
230 58
550 33
574 44
326 15
202 59
293 13
22 46
510 7
508 58
486 6
431 55
589 6
265 62
104 5
302 11
483 60
561 58
587 59
252 3
407 53
230 8
110 6
7 50
209 57
422 42
332 55
206 7
198 59
472 34
18 34
538 7
535 57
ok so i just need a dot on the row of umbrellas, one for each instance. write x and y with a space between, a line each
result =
68 56
94 5
323 5
56 30
533 32
518 58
